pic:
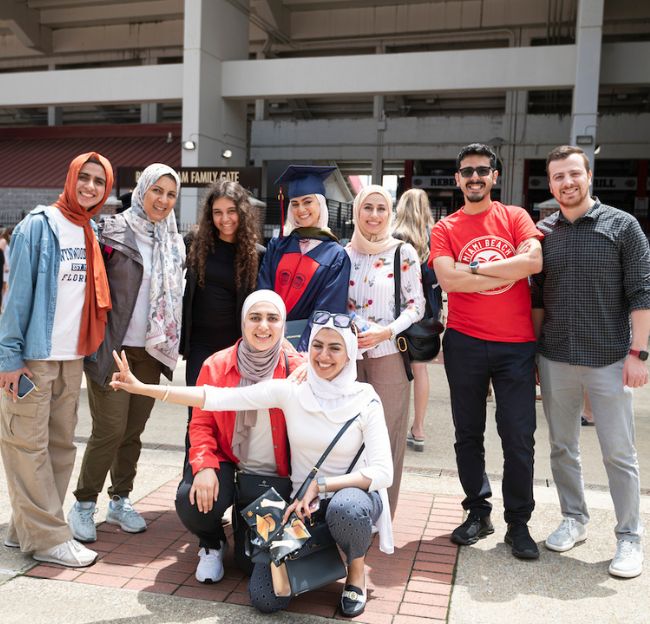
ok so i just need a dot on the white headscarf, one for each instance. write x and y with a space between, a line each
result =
323 217
162 336
341 389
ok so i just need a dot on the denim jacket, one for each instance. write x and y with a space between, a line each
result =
26 325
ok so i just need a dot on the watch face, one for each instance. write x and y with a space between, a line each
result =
643 355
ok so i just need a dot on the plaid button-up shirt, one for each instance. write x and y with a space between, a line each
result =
596 271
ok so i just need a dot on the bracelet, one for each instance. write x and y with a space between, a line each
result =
164 397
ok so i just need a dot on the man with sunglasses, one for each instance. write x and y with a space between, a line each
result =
483 255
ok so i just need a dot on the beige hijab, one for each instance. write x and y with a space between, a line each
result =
377 243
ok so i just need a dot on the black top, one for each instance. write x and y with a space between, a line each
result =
596 271
212 315
215 322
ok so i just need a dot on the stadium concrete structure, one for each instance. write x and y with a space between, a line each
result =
375 86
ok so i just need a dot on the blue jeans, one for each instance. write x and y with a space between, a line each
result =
470 364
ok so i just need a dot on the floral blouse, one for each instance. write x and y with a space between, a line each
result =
372 292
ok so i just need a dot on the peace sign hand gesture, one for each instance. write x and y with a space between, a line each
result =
124 379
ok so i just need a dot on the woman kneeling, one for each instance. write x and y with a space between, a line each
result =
315 412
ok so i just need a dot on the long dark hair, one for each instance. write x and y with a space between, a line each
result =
206 236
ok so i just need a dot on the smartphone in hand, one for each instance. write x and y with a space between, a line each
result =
25 386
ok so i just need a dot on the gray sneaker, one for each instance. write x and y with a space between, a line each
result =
567 535
81 521
120 511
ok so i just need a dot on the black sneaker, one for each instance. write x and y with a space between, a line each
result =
523 545
472 530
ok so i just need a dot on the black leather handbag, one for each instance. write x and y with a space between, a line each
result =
421 341
318 562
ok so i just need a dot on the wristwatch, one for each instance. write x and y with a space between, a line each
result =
473 266
322 485
642 355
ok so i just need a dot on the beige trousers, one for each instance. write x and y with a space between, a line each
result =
38 452
387 376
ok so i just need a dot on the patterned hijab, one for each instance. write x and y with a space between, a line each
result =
162 336
97 301
377 243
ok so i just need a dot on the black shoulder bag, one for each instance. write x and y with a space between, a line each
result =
318 562
421 341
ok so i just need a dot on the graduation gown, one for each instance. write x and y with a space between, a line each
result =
317 280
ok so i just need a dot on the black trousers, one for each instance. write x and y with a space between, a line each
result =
206 526
470 364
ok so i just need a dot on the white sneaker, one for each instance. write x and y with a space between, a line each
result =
71 554
567 535
628 560
9 543
210 566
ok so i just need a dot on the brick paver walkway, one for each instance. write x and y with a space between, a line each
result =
410 587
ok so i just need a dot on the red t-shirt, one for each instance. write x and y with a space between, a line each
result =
502 314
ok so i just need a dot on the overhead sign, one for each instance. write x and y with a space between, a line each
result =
599 183
438 182
199 177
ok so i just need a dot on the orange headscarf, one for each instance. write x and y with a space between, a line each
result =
97 302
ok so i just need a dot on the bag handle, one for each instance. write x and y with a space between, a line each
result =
400 341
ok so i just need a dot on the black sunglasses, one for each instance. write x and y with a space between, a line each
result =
321 317
468 172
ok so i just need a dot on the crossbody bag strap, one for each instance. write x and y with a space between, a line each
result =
400 341
397 279
312 473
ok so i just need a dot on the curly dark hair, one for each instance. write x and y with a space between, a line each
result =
206 235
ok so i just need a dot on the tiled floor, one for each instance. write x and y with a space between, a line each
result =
410 587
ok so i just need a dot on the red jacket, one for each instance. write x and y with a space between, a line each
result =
211 432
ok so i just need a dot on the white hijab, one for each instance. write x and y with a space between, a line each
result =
323 217
344 388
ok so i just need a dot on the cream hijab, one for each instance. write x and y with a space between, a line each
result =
378 243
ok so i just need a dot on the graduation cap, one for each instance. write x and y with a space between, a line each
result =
304 180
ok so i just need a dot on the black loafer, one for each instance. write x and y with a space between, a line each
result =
523 545
353 601
472 530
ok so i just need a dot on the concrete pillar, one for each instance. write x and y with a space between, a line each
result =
54 116
261 107
149 112
512 181
214 31
584 112
378 160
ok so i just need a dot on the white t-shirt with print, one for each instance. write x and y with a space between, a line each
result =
71 288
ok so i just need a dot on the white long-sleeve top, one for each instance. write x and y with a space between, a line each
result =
310 429
371 292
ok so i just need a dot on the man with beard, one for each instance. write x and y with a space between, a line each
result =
483 255
596 279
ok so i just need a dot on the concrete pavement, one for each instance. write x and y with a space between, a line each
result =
489 585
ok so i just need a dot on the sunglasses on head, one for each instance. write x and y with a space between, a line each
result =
468 172
321 317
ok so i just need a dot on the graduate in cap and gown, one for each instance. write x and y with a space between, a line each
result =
307 267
